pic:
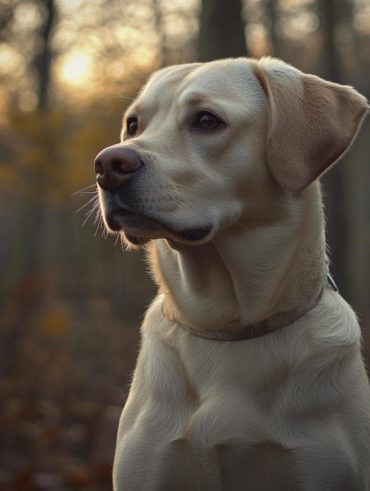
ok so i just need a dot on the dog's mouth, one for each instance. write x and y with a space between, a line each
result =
138 228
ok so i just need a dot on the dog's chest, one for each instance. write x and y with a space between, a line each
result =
178 434
210 447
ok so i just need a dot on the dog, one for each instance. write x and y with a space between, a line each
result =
250 374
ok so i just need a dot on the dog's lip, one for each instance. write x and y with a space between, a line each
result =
139 227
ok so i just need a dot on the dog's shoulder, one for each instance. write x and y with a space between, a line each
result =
333 323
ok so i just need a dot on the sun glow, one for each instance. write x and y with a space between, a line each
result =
76 69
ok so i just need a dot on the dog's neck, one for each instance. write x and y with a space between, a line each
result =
247 273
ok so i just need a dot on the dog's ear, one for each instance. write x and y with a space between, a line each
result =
311 122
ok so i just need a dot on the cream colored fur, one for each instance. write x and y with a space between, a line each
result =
287 411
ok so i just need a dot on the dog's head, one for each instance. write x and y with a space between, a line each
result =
204 144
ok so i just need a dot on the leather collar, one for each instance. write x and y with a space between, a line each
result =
272 324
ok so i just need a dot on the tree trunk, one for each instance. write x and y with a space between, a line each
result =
221 30
272 13
331 12
162 38
43 61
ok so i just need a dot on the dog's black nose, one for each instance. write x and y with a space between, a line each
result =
115 166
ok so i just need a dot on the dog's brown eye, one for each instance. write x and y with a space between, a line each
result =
207 121
132 126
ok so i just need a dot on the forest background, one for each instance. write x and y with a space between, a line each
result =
70 300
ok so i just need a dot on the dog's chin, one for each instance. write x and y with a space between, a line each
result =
138 229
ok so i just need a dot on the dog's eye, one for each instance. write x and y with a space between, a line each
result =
132 125
207 121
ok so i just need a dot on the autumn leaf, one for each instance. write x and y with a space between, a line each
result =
56 320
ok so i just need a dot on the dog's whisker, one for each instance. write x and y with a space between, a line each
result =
92 209
97 216
98 221
94 198
104 232
83 189
88 216
95 205
89 213
86 220
83 193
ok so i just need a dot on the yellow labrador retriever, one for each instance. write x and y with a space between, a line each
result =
250 374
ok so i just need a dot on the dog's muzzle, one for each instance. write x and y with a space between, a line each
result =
115 168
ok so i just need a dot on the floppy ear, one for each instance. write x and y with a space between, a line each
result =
311 122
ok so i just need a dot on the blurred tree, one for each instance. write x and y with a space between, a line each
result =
162 34
6 16
43 59
332 13
272 13
26 30
330 63
37 213
221 30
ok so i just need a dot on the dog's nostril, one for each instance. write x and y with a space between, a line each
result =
118 166
99 167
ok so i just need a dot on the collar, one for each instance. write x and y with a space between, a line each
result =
258 329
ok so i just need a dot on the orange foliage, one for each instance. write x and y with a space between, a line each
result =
56 320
